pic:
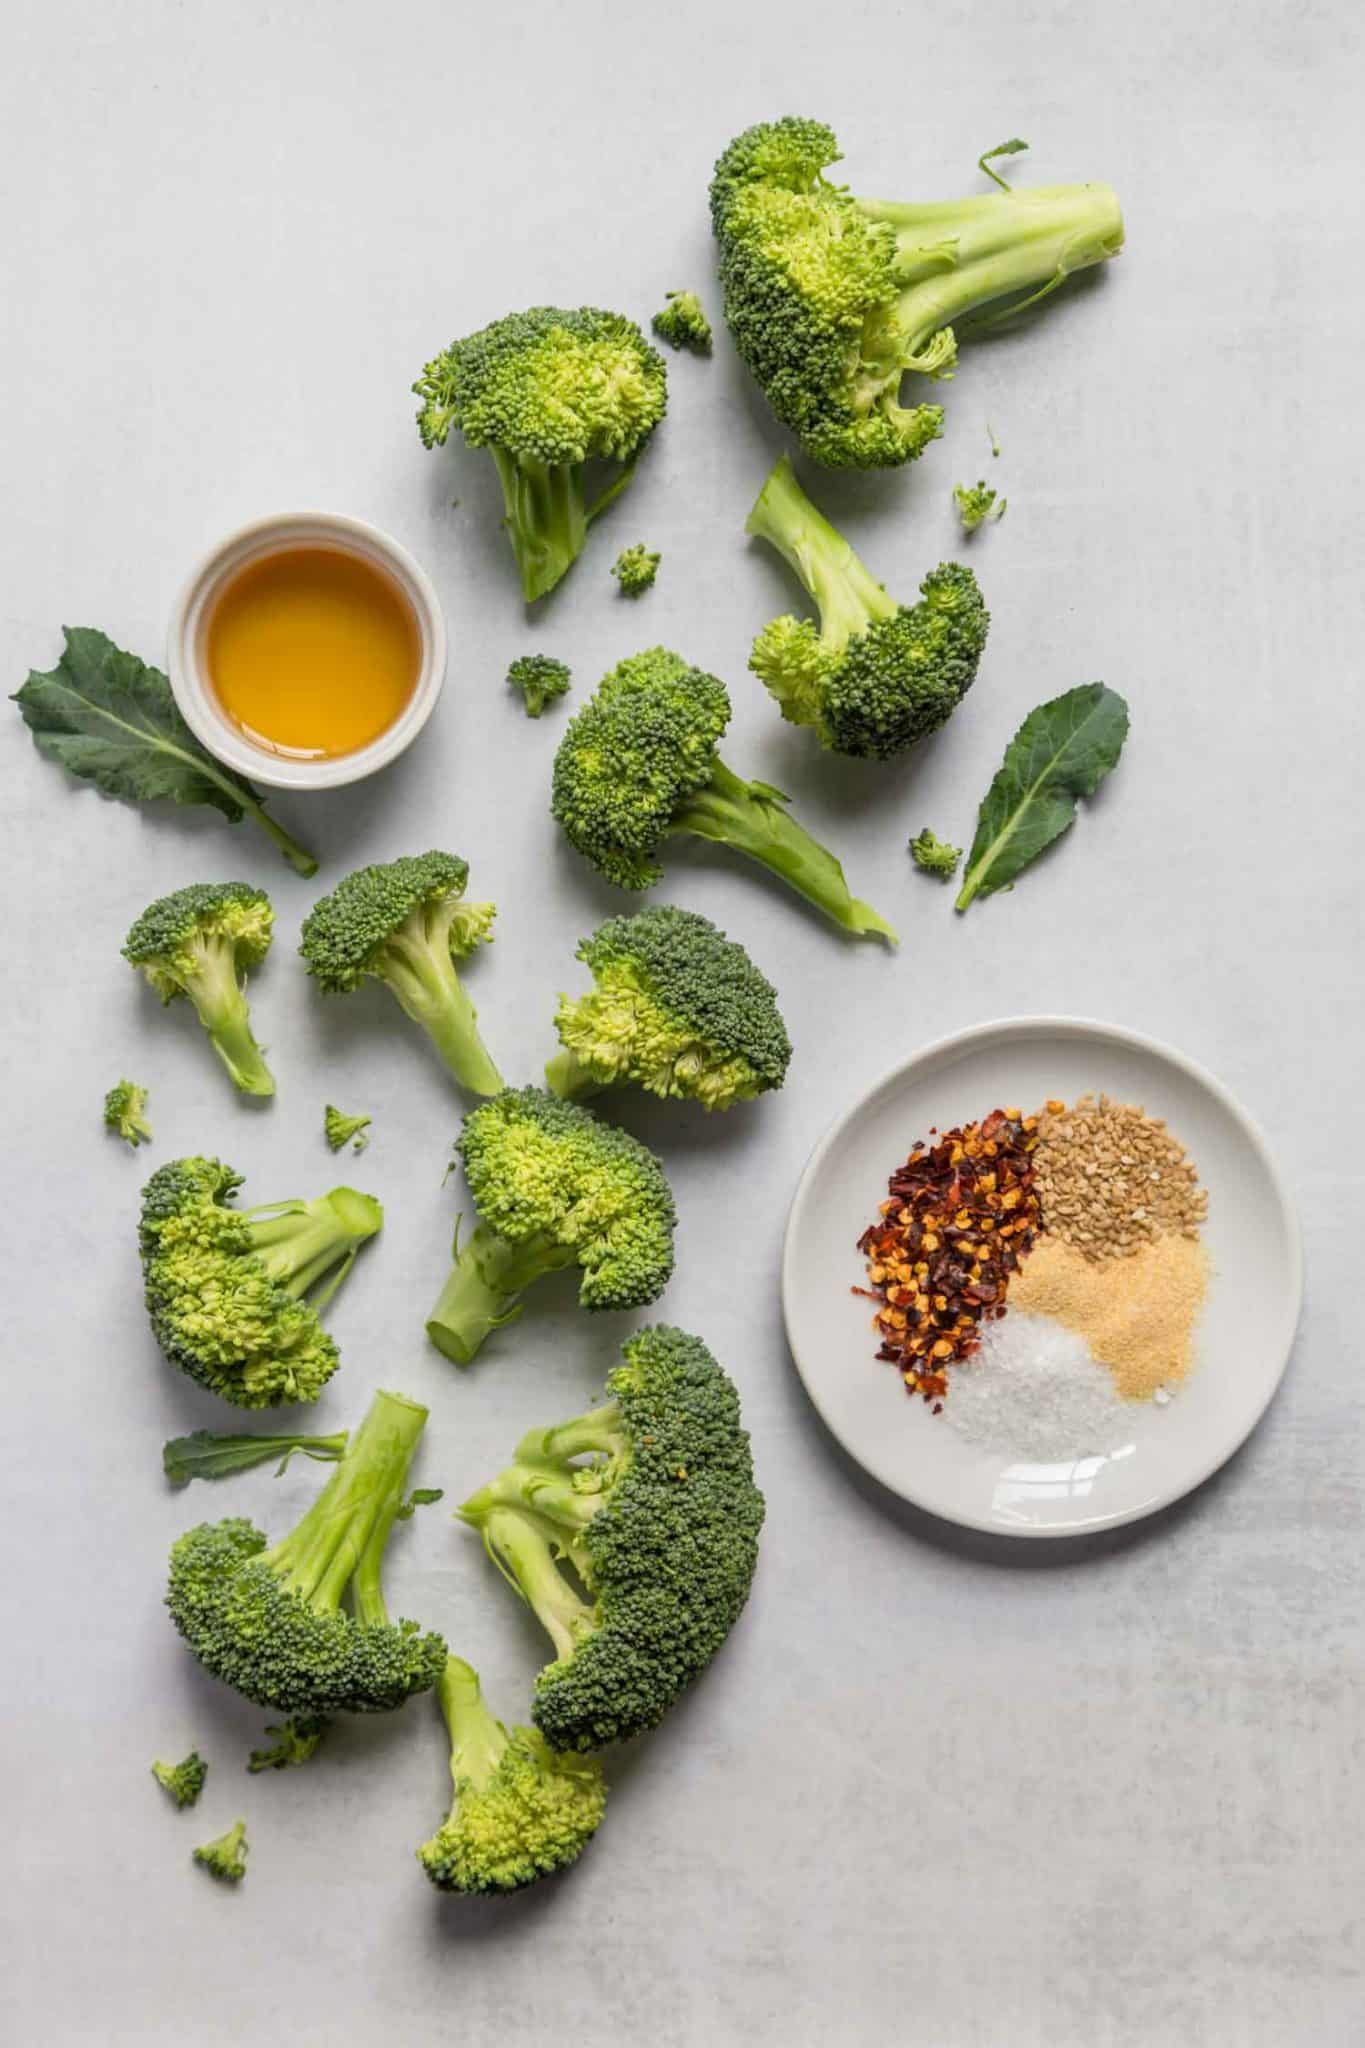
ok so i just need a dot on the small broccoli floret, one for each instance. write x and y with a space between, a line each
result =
651 1501
406 923
976 503
682 323
339 1129
125 1112
269 1620
676 1008
183 1781
875 676
295 1740
521 1810
832 300
199 943
225 1287
553 1187
635 569
540 678
546 391
639 763
935 856
225 1859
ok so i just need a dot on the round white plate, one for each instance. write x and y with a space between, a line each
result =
1244 1334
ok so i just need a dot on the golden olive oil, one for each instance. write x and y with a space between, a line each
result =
312 651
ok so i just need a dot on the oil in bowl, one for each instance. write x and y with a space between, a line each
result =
312 651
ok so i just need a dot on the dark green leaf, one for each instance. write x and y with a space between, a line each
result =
1014 147
420 1497
203 1455
1061 752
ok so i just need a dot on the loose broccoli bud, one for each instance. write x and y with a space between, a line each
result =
295 1741
639 762
183 1781
405 923
521 1811
200 943
935 856
269 1621
125 1113
553 1187
682 323
977 503
876 676
832 299
546 391
660 1526
225 1859
677 1008
540 678
339 1129
225 1287
635 569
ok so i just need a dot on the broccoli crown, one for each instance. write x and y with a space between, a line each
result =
635 569
549 385
542 1171
167 942
183 1782
976 503
365 922
125 1113
935 855
295 1741
677 1008
540 678
225 1858
339 1129
644 742
682 323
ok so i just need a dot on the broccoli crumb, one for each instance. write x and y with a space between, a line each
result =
225 1859
976 504
635 569
540 678
125 1113
340 1129
935 856
183 1782
682 323
294 1742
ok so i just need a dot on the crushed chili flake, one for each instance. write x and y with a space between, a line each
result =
960 1215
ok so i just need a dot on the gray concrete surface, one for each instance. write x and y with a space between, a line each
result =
937 1791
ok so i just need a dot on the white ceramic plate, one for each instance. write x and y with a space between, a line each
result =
1245 1331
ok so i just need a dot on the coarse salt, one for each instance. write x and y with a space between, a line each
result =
1034 1390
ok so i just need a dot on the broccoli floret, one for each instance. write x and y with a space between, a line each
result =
676 1008
125 1112
269 1621
833 299
406 923
935 856
540 678
875 676
553 1187
976 503
225 1859
660 1525
639 763
682 323
546 391
339 1129
199 943
521 1810
295 1740
183 1781
635 569
225 1287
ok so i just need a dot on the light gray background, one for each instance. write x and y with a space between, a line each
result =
936 1790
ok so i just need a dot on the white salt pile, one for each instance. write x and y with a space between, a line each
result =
1034 1390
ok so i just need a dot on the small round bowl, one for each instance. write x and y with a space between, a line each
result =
187 666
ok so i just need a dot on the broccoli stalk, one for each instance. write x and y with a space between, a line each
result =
484 1286
199 943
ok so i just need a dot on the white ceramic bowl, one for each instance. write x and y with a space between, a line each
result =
186 649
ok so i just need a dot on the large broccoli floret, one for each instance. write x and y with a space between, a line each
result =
269 1621
521 1810
554 1187
225 1287
676 1008
651 1501
546 391
875 676
832 300
639 762
200 943
406 923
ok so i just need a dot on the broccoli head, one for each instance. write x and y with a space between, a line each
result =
681 321
976 503
935 855
553 1187
225 1288
635 569
540 678
639 763
406 923
545 392
875 676
651 1501
182 1782
295 1741
676 1008
340 1129
832 300
268 1620
521 1810
199 943
125 1113
225 1858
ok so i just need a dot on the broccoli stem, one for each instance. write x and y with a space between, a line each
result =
478 1741
222 1009
566 1076
546 519
483 1285
298 857
752 818
351 1518
298 1242
418 967
848 596
524 1557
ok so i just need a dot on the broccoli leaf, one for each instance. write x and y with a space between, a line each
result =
1061 752
203 1455
420 1497
1014 147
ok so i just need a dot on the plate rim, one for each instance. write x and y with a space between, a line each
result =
1036 1024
